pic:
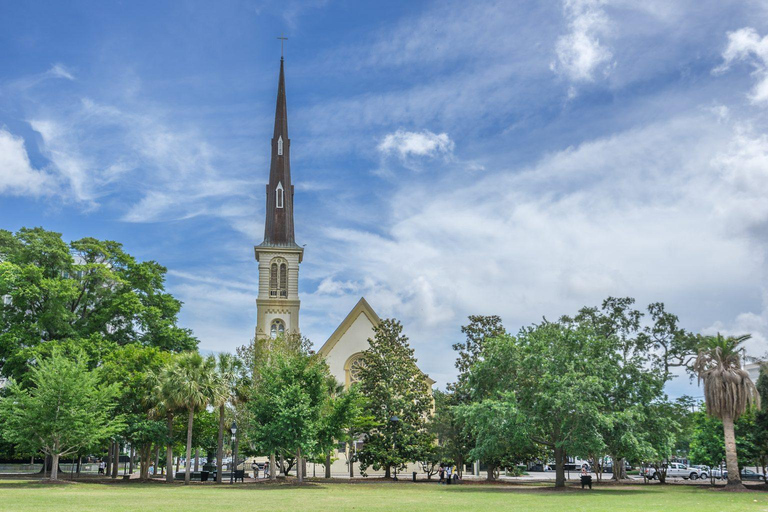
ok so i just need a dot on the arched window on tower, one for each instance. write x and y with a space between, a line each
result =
273 280
280 146
279 195
284 280
277 329
278 278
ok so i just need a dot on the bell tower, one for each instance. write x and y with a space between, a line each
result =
278 255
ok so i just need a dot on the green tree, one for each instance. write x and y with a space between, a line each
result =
65 410
193 385
86 290
398 398
761 419
230 383
338 414
635 382
287 402
707 446
132 368
558 374
454 439
501 432
728 391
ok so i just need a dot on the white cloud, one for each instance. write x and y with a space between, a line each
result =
580 54
60 71
172 169
421 144
17 175
746 44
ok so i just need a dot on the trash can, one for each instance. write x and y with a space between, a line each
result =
414 476
586 480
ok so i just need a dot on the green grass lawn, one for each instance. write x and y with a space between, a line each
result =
20 495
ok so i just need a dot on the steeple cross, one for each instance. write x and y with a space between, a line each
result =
282 41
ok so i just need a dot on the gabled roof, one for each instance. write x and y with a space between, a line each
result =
362 306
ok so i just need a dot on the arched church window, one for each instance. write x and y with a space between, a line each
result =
277 329
355 367
278 278
273 280
280 146
284 280
279 195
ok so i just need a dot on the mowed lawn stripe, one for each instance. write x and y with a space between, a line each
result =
380 496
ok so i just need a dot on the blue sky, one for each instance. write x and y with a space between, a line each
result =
450 158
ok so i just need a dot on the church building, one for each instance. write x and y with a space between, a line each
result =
279 258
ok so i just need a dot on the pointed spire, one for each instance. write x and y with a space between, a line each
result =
278 228
281 111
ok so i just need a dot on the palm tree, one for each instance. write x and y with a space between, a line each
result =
228 375
167 401
728 391
193 384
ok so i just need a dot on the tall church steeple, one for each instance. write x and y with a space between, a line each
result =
278 228
278 255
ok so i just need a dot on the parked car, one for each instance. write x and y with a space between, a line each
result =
704 471
678 470
748 474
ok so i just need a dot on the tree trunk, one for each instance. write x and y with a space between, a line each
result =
169 450
387 472
220 447
350 458
116 463
197 459
272 467
79 461
188 461
559 467
328 465
157 459
459 467
731 460
491 473
108 462
131 457
299 469
55 463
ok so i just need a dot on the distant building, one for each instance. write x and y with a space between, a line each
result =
754 371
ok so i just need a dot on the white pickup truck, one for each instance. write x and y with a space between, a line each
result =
678 470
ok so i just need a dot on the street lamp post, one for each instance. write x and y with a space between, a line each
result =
233 429
395 423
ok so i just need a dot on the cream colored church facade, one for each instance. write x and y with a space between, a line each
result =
278 304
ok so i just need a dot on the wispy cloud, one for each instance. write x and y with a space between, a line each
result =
746 44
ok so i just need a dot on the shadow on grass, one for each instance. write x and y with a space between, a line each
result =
542 489
27 484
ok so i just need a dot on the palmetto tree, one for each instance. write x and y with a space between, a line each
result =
192 385
166 401
228 376
728 391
